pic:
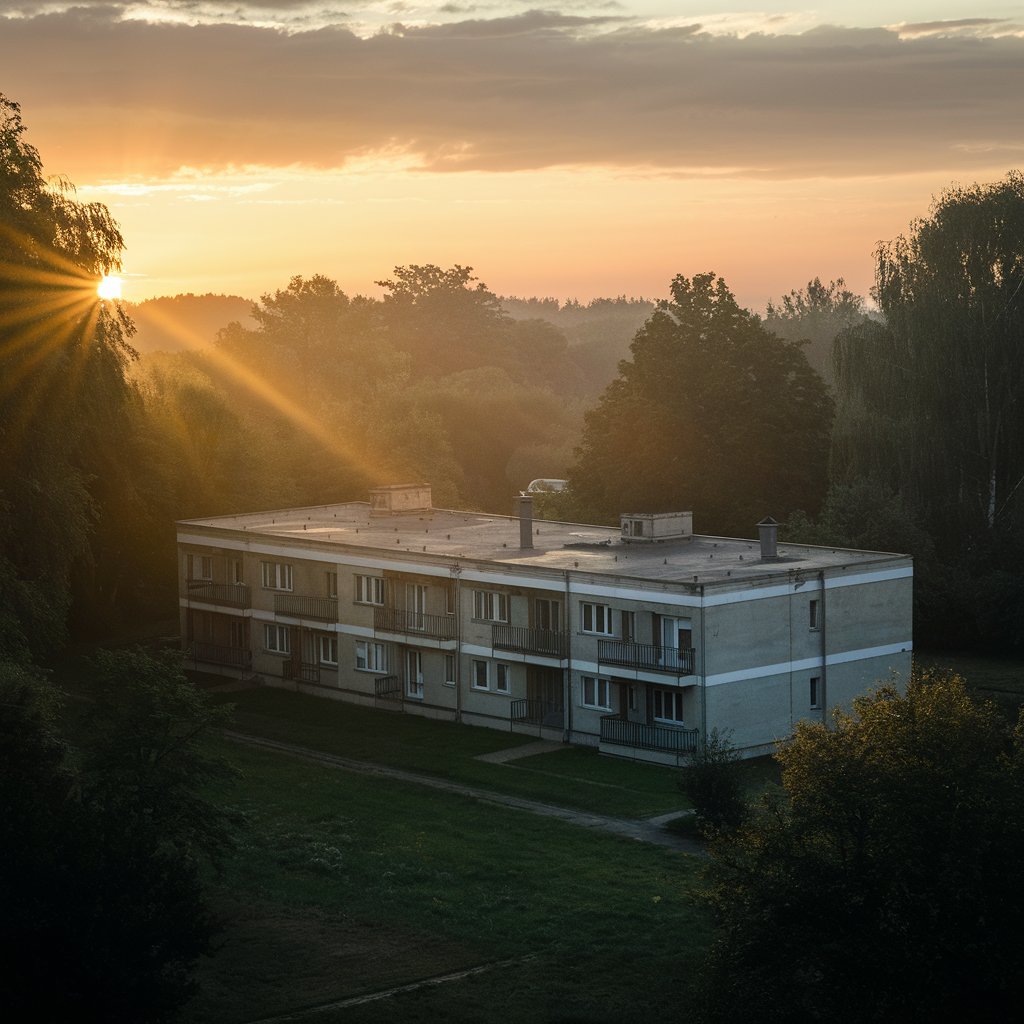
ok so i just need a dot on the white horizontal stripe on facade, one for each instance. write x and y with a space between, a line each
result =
805 664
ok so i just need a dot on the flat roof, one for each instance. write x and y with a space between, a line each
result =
482 537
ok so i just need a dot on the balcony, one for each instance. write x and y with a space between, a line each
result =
322 609
537 712
387 693
618 732
221 654
304 672
650 657
412 624
526 640
229 595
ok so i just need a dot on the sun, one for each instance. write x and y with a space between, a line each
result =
109 288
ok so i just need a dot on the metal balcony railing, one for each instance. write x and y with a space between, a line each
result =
397 620
640 736
230 595
527 640
677 660
323 609
537 712
304 672
221 654
387 693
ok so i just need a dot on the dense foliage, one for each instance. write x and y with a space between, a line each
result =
712 414
885 883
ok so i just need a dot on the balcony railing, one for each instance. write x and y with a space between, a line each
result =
221 654
640 736
397 620
230 595
304 672
677 660
537 712
324 609
387 692
528 641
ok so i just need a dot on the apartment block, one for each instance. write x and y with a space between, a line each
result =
637 640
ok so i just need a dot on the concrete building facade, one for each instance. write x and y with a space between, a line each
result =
638 640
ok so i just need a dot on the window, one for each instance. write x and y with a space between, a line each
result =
332 584
503 678
814 615
480 675
414 674
547 614
449 670
628 624
490 606
369 590
370 656
277 639
276 575
597 693
668 706
449 599
815 693
632 698
200 567
596 618
328 650
236 571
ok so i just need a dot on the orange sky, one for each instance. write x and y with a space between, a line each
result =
593 149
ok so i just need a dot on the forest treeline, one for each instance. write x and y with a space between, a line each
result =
891 428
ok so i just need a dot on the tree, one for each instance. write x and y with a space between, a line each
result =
712 413
814 316
885 882
104 906
928 403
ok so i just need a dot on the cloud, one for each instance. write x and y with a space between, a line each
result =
115 99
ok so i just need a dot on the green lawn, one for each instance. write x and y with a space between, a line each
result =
570 777
1000 680
343 884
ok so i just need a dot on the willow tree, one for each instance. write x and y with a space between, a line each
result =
929 403
713 413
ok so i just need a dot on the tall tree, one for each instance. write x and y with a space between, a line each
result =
814 316
929 403
885 883
713 413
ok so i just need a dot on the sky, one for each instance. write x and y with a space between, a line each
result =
567 148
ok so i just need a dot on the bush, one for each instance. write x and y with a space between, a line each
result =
711 781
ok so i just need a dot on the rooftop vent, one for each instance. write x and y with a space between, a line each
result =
650 527
398 498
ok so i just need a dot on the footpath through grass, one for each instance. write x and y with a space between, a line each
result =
344 884
571 777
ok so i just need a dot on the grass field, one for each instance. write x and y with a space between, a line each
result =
1000 680
343 885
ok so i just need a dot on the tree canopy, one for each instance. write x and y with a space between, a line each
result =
712 413
885 882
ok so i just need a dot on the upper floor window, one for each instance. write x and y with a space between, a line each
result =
814 613
237 575
596 618
200 567
332 584
490 606
369 590
276 575
547 614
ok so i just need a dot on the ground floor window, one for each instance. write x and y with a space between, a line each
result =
449 670
503 678
328 650
481 679
815 693
597 693
668 706
277 639
370 657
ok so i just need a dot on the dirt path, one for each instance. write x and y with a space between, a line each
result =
651 831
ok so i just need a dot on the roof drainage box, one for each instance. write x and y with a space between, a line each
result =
648 527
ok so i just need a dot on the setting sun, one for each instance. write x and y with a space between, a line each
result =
109 288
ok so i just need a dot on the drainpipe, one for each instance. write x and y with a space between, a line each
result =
703 675
456 573
822 625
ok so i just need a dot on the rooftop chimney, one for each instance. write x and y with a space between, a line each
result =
525 522
768 529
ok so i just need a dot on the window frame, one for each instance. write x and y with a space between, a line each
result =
502 673
374 655
362 589
814 614
490 606
477 665
593 611
331 642
658 697
450 670
277 576
599 686
814 693
277 639
200 568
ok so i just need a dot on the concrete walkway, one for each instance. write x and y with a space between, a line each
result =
651 831
525 750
